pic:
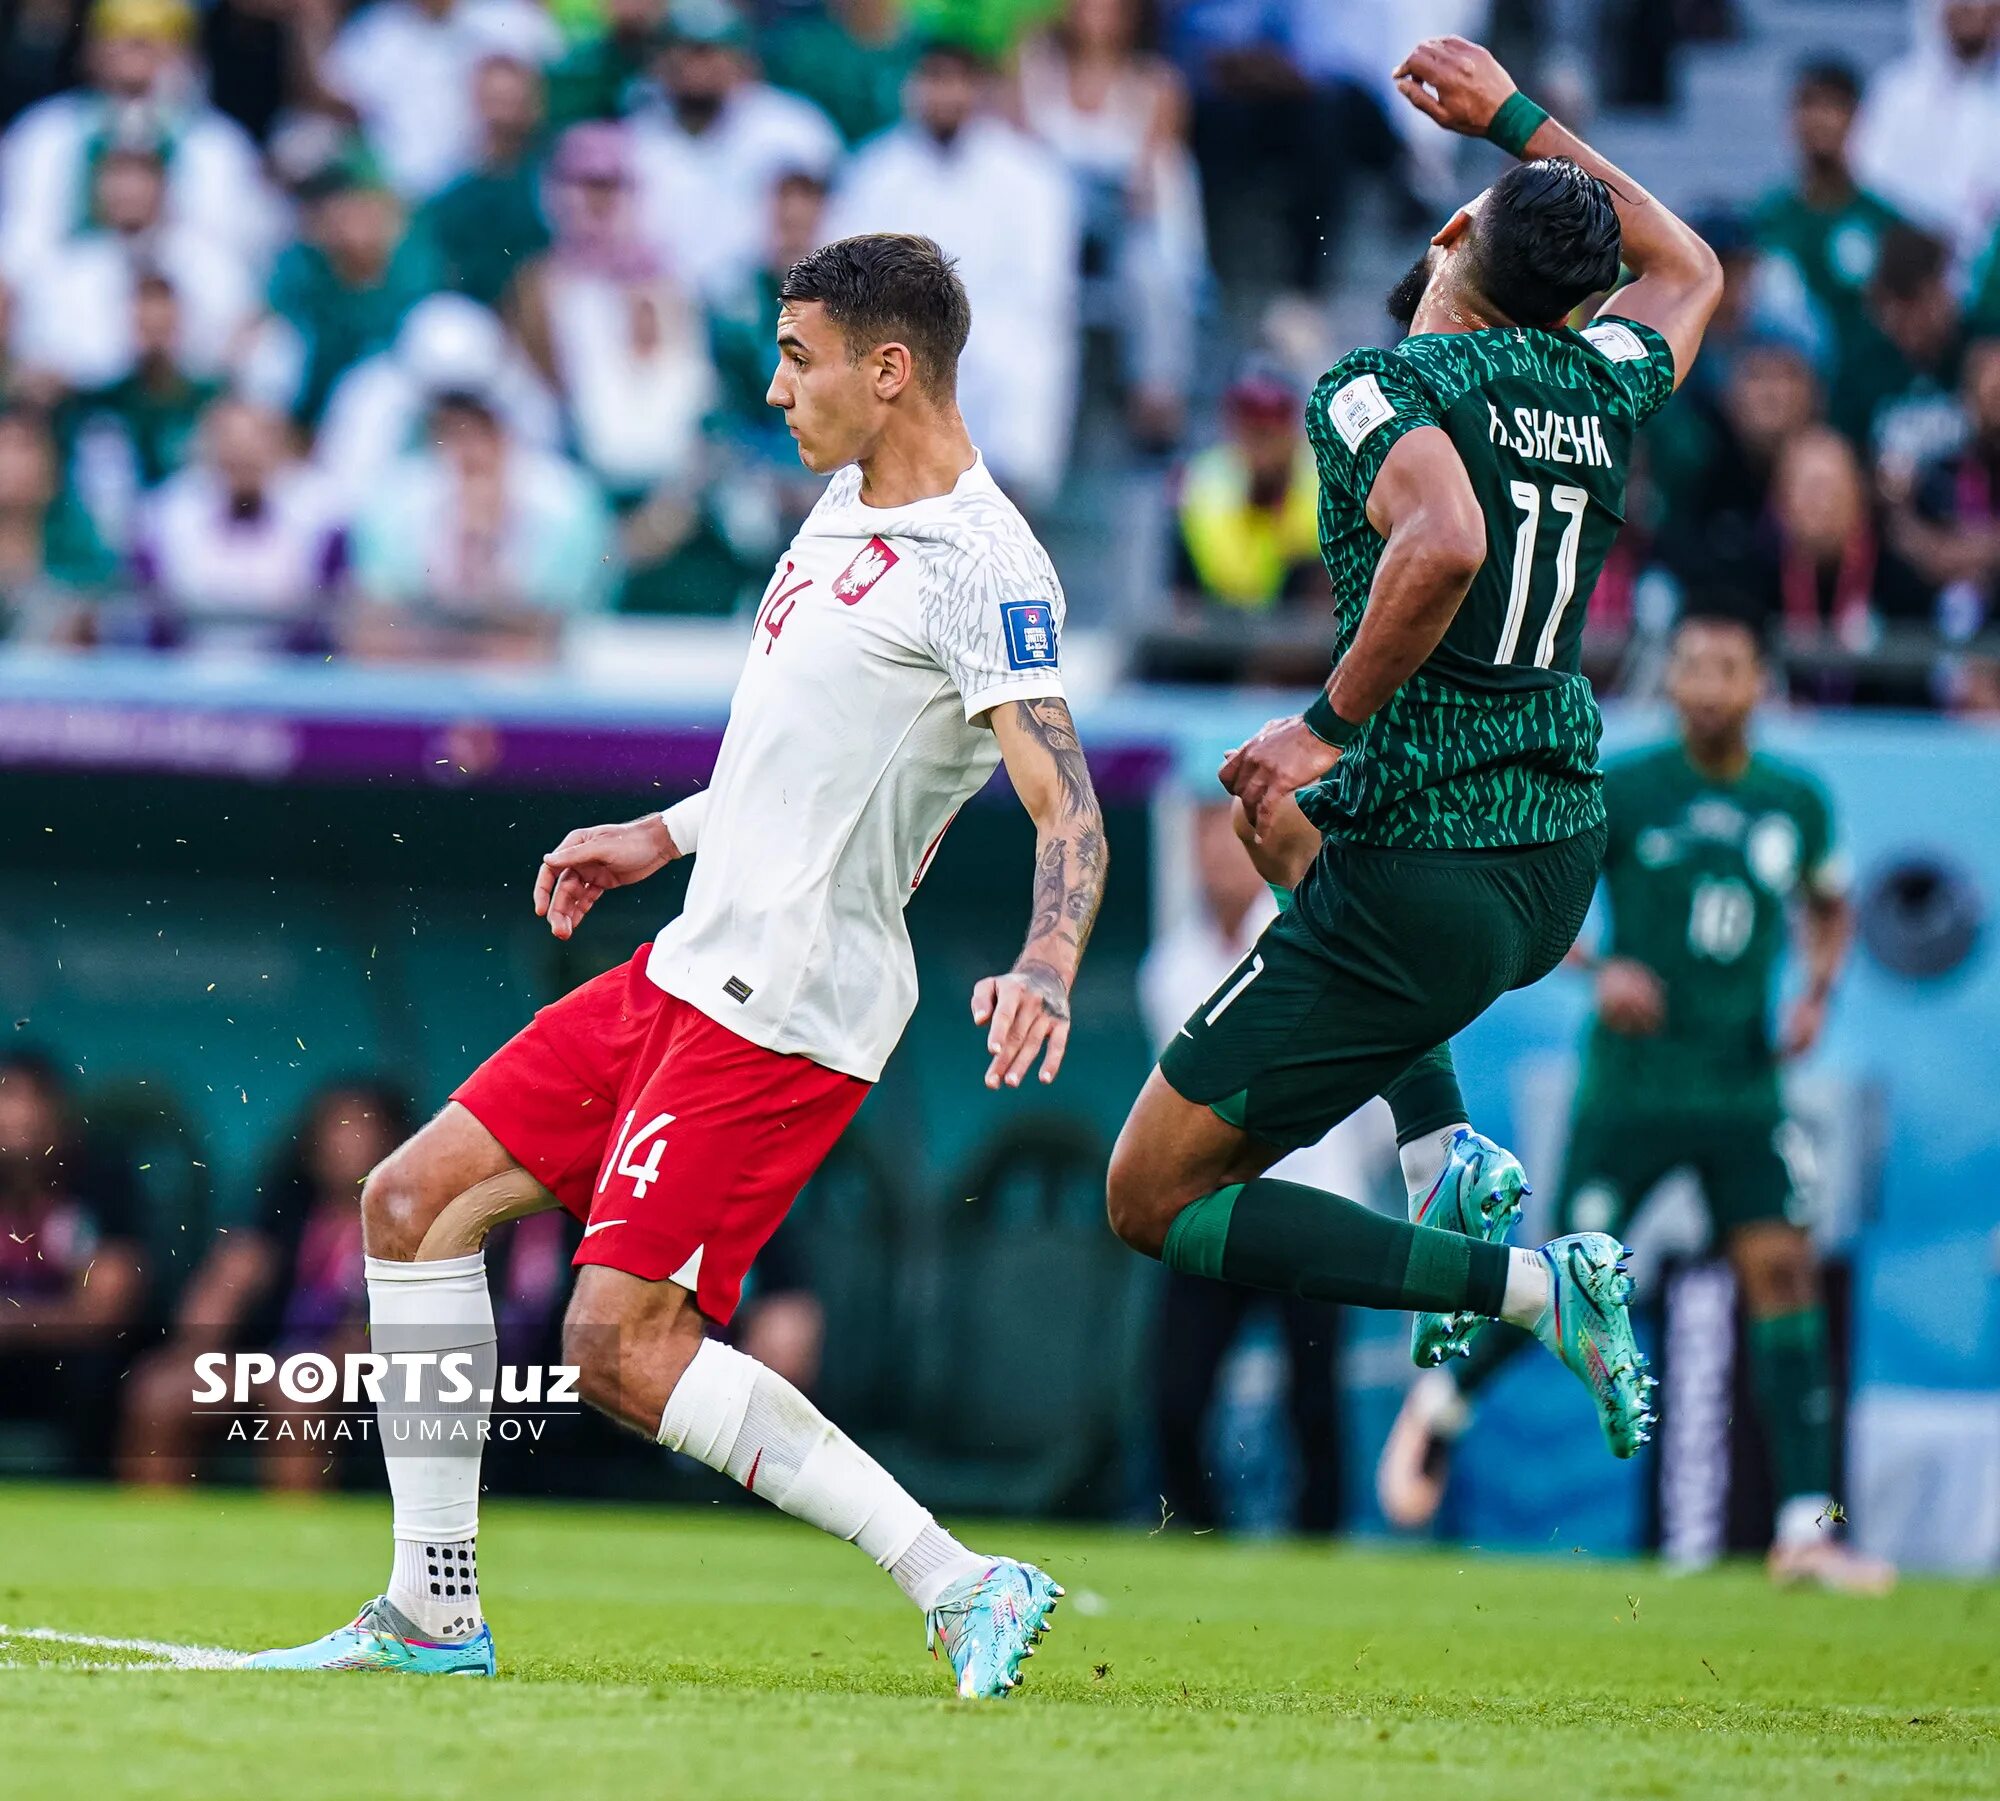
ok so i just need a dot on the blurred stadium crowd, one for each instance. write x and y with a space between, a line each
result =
414 329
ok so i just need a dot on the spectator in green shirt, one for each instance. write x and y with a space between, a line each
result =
488 224
1829 227
852 59
1895 393
345 287
153 409
50 555
742 327
597 78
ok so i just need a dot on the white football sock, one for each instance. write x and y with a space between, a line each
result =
435 1586
731 1413
1423 1158
439 1306
1527 1296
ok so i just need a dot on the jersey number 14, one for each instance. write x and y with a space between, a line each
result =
1571 503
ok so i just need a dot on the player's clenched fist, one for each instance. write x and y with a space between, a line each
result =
1022 1011
1272 767
1456 82
598 857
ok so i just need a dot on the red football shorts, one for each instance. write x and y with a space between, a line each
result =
679 1145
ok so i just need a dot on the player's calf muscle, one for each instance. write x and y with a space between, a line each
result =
631 1341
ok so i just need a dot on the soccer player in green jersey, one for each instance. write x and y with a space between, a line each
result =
1472 480
1714 849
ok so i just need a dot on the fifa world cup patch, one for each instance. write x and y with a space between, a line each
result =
1614 342
1357 409
1030 626
871 563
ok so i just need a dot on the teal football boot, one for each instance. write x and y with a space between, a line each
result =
1588 1324
381 1638
989 1625
1478 1194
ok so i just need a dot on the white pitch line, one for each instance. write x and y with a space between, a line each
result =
168 1656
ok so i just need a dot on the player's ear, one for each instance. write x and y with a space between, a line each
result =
1452 232
895 368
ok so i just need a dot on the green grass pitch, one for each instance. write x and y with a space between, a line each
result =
720 1654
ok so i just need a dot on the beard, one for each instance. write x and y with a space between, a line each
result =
1407 295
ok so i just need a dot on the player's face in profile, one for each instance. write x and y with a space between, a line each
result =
1714 678
826 396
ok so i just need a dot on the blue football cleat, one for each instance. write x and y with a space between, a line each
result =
1588 1324
989 1625
382 1639
1478 1194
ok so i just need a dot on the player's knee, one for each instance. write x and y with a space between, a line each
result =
1139 1199
397 1209
1774 1268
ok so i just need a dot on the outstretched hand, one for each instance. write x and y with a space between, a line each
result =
587 862
1458 83
1283 758
1023 1011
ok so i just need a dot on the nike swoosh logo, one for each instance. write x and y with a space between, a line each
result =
601 1225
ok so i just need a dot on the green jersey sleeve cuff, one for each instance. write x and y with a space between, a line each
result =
1642 361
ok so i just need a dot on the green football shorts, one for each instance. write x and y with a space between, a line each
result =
1384 955
1617 1158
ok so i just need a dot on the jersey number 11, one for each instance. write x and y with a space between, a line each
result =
1570 502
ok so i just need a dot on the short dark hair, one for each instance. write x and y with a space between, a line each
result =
801 181
1909 261
38 1066
1827 75
1545 241
1732 609
890 286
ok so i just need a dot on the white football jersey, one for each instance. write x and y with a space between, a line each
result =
885 632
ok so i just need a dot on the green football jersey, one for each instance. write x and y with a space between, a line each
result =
1700 876
1493 742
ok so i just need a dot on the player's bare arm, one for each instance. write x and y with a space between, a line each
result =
1027 1010
1423 505
598 857
1826 931
1677 279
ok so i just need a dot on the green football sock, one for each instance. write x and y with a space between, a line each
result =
1304 1241
1425 1097
1788 1369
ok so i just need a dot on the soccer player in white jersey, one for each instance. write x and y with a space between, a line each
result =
907 643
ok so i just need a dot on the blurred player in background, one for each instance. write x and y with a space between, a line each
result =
1472 482
906 645
1713 847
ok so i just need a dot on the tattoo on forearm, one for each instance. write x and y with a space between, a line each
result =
1071 860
